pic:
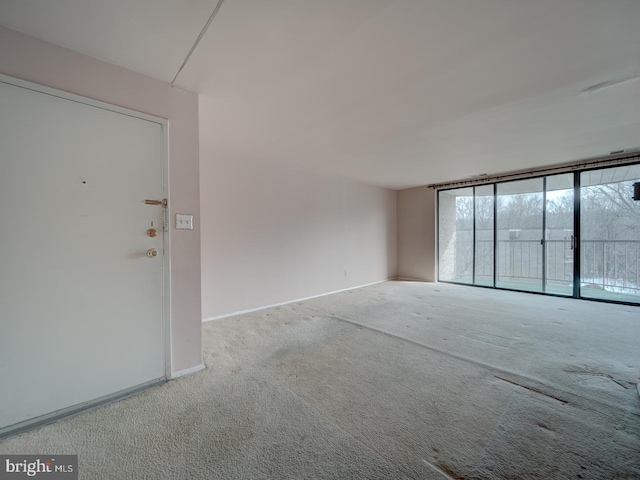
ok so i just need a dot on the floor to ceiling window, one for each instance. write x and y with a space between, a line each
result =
559 235
521 234
483 221
610 234
455 237
519 230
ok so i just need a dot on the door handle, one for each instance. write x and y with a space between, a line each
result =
162 202
152 252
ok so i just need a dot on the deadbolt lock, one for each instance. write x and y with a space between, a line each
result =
152 252
152 232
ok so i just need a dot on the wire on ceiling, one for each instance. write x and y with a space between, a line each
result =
195 44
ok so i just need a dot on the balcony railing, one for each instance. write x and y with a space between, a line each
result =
611 265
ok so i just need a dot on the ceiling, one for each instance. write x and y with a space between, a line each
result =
396 93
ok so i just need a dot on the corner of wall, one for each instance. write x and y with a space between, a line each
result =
416 217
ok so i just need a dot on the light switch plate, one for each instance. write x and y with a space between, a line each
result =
184 222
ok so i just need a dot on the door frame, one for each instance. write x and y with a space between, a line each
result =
166 243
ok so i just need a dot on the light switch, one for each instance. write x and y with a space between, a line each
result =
184 222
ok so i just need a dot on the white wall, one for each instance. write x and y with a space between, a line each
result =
272 234
417 234
30 59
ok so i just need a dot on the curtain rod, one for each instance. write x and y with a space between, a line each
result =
601 161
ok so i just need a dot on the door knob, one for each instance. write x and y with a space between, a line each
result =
152 232
152 252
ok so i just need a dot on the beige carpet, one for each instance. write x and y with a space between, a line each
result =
398 380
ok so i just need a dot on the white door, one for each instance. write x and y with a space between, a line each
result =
81 303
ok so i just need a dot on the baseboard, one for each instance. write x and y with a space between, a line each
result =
241 312
186 371
77 409
410 279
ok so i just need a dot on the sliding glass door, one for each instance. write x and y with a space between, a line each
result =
610 234
519 230
559 239
521 234
455 235
484 213
465 235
